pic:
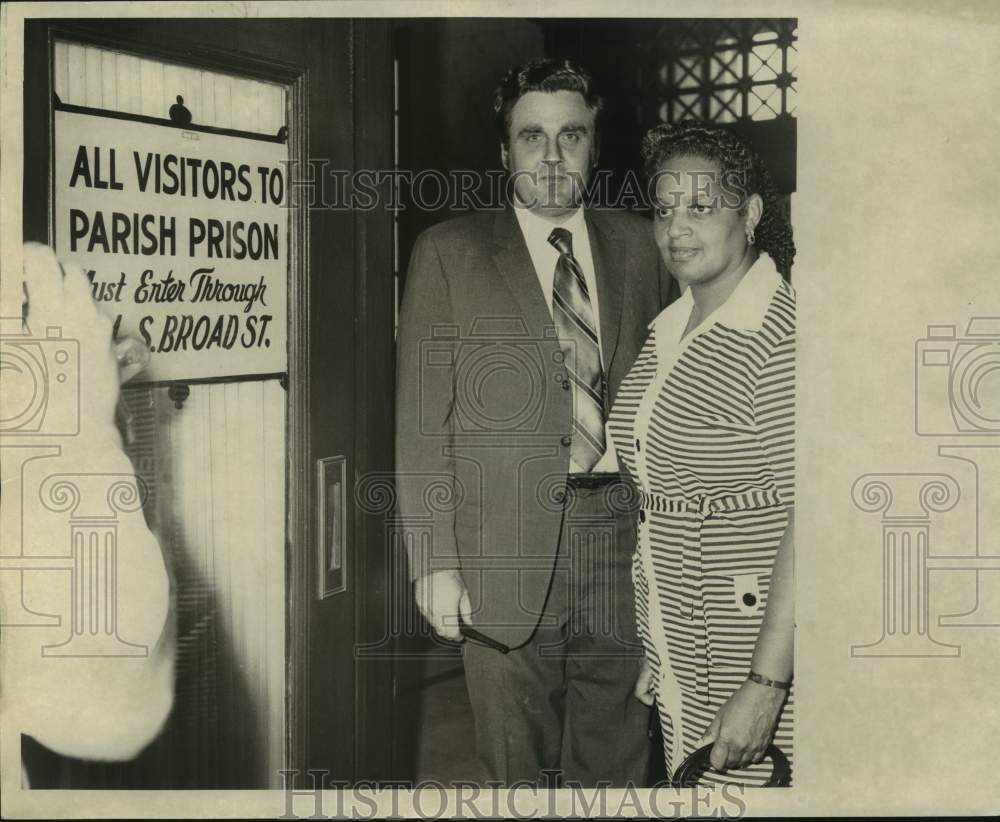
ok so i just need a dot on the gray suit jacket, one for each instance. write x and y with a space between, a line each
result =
484 414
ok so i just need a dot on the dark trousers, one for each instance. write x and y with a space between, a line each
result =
564 701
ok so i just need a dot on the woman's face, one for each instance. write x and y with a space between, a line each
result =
698 224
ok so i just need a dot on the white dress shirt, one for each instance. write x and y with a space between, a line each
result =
536 231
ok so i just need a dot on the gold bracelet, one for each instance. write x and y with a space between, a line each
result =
770 683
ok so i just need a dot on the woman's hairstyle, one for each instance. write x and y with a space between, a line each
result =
543 75
740 168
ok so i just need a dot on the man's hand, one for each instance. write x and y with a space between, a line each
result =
644 684
441 597
744 726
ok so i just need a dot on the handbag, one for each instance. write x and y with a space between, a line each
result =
691 769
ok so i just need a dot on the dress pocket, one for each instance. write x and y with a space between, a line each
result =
734 610
747 595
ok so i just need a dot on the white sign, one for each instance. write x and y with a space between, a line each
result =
187 239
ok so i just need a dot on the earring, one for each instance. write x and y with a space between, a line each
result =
750 235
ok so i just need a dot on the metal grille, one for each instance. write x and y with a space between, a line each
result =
724 71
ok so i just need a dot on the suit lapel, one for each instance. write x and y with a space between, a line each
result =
608 251
515 266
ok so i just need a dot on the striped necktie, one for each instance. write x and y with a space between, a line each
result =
574 317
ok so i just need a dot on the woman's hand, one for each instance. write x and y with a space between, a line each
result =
644 684
744 726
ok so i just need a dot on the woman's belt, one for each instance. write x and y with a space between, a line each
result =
707 506
697 510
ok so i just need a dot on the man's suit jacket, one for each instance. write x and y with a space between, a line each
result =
484 408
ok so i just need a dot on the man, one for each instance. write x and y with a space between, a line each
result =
515 331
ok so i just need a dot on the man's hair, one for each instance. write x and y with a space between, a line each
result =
549 75
741 168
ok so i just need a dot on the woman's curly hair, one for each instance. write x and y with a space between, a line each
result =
737 161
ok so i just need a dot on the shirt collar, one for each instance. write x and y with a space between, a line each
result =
745 309
537 229
747 305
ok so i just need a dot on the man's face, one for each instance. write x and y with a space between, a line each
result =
552 150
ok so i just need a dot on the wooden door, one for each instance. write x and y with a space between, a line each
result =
277 686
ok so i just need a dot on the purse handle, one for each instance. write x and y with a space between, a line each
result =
687 774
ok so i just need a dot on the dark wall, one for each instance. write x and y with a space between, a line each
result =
448 72
610 50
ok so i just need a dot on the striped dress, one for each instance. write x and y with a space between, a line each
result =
705 426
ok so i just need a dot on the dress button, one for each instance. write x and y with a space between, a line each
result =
637 448
642 516
566 440
565 385
749 599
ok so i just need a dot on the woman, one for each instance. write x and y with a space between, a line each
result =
704 423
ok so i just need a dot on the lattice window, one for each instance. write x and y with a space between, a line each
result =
724 71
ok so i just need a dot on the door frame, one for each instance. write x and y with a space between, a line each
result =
375 313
